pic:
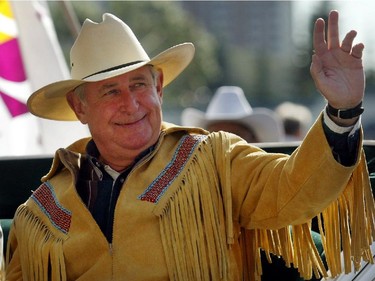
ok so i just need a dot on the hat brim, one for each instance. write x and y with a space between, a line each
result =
267 127
50 101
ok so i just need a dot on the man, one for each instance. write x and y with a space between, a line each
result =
229 110
147 200
296 119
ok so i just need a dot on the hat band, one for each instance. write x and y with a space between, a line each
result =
114 68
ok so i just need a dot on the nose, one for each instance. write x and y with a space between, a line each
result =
128 102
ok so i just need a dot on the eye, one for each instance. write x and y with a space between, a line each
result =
111 92
139 86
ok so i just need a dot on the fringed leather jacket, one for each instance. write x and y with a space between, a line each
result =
200 206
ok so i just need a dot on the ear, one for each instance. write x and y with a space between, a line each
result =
159 84
77 106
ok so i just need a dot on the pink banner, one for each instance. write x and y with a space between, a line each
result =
11 69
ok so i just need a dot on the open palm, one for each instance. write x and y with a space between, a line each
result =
337 69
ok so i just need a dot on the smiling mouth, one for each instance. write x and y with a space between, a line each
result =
126 124
129 123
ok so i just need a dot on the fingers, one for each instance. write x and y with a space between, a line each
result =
333 30
346 45
321 45
319 37
357 51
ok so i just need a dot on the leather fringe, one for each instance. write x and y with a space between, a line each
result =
348 225
192 225
42 258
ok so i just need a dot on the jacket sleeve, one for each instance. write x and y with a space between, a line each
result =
13 266
275 190
275 196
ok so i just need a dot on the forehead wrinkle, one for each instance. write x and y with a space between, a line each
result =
135 77
108 85
138 77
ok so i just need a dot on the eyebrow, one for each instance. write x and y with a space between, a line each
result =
137 77
108 85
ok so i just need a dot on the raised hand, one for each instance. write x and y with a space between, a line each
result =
336 68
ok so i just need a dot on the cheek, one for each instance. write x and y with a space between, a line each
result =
157 107
99 114
158 100
151 102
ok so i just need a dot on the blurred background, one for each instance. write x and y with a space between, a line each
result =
264 47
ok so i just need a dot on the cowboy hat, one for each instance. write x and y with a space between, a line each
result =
101 51
297 116
230 104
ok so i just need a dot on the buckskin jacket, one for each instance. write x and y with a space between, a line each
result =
199 207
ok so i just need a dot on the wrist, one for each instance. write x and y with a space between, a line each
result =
345 113
344 117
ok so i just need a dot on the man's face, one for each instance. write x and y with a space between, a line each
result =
123 113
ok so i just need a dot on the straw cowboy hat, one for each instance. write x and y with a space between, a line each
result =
104 50
230 104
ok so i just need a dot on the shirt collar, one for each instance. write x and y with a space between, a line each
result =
93 152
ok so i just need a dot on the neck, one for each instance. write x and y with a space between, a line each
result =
117 163
121 163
